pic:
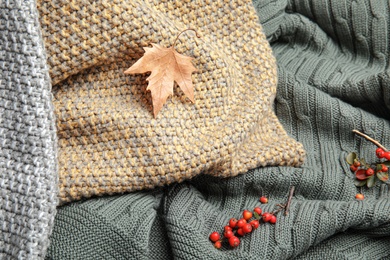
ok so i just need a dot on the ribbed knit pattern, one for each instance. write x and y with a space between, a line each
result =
333 63
28 152
108 139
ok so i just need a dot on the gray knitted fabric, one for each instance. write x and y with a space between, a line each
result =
333 58
28 169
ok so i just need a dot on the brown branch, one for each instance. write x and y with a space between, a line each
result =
370 139
281 207
289 200
278 210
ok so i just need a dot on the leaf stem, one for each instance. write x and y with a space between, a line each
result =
189 29
370 139
289 200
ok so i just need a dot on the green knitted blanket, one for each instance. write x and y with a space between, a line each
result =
333 58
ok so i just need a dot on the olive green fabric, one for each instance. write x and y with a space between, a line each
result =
333 61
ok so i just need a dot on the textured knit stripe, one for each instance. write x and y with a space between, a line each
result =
333 77
28 152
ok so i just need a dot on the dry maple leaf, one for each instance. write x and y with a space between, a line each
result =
167 66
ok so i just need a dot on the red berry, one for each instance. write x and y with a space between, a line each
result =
228 234
387 155
257 210
247 228
384 168
380 153
356 163
353 168
214 236
255 224
361 174
272 219
240 232
370 172
232 222
266 217
226 228
264 200
359 196
247 214
234 241
218 244
241 223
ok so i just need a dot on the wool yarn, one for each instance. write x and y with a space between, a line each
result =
109 141
332 78
28 143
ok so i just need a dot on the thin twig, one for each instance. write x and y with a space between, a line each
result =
281 207
277 211
289 200
189 29
370 139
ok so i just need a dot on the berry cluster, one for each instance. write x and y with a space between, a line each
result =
240 227
368 174
380 153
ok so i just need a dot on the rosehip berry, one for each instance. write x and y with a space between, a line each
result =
380 153
257 210
264 200
234 241
232 222
214 236
387 155
247 214
218 244
266 217
240 232
384 168
226 228
247 228
359 196
272 219
356 163
353 168
241 223
370 172
228 234
255 224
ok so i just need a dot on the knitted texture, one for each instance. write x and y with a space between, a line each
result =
333 63
28 152
108 139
